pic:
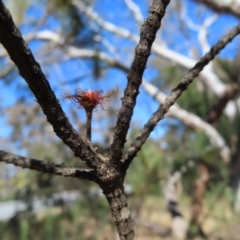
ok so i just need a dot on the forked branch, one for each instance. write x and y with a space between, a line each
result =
142 52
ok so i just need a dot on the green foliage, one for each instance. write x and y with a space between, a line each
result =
168 74
228 69
196 100
144 173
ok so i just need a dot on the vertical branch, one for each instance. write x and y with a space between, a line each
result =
175 94
142 52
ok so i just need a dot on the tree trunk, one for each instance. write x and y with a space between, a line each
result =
117 201
179 225
197 201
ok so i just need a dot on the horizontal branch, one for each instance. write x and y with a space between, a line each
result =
175 94
30 70
47 167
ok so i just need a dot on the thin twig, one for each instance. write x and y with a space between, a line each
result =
192 120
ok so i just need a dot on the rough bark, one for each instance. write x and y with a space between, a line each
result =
107 171
117 201
193 121
142 52
47 167
175 94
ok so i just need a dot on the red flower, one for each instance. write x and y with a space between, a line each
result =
88 99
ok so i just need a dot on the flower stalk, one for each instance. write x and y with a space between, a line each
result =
89 113
88 100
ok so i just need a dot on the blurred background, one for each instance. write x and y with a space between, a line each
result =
185 181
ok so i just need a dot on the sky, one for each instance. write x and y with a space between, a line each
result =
117 13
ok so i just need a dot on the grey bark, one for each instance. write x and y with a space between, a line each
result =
47 167
142 52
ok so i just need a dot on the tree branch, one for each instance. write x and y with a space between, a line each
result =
208 76
158 49
203 32
142 52
188 118
30 70
192 120
47 167
175 94
223 6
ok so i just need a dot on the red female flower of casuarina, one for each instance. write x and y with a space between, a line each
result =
89 99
